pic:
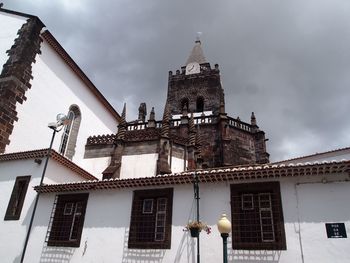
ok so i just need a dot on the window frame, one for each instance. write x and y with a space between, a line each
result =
20 202
59 213
155 218
70 134
240 215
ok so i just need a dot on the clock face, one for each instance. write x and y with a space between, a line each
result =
192 68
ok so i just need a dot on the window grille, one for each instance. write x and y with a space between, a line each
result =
67 220
18 195
150 225
257 216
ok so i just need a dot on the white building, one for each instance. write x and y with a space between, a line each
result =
291 211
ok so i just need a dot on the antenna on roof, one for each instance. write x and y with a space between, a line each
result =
198 37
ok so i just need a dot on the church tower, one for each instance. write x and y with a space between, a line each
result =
196 87
195 131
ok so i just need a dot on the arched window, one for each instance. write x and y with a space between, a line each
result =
70 133
184 104
200 105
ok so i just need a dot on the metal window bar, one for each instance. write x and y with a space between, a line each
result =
147 206
73 235
247 202
266 218
159 234
51 219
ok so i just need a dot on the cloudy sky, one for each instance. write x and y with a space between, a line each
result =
288 61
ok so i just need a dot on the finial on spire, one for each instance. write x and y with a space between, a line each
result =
165 122
122 125
252 119
198 37
152 115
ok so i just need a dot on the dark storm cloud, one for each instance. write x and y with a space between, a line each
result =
288 61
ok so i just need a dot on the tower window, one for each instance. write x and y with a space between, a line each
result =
200 104
184 104
70 133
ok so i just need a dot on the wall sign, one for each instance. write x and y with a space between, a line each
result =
336 230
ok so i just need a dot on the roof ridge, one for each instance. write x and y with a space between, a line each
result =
40 153
266 171
311 155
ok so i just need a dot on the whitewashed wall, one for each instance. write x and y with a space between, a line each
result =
55 88
13 232
8 33
105 234
177 165
141 165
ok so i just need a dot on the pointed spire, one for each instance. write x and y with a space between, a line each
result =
122 125
253 119
165 121
152 115
197 54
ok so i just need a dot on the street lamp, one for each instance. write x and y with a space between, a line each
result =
224 227
61 120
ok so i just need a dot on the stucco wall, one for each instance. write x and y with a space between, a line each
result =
8 33
55 88
13 232
105 234
142 165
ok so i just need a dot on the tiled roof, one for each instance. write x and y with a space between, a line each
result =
226 174
313 155
43 153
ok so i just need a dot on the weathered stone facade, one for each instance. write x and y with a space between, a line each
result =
16 75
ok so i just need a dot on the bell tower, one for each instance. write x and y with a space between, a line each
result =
196 87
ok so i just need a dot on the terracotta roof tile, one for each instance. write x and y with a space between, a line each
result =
54 155
226 174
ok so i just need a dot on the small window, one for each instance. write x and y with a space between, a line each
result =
18 195
68 220
247 202
147 206
200 105
151 216
257 217
184 104
66 132
70 133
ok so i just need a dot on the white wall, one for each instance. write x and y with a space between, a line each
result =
177 165
13 232
142 165
105 234
320 204
55 88
8 33
96 165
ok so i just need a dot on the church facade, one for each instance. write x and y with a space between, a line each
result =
130 191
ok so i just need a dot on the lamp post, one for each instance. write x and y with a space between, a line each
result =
61 120
224 227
